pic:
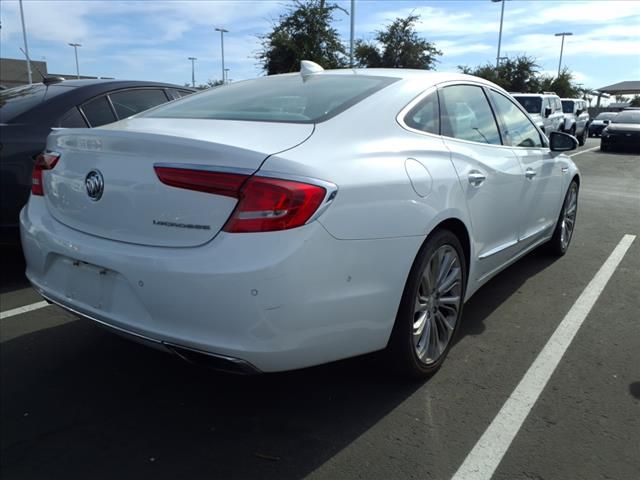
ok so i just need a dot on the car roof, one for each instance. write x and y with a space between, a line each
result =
108 84
534 94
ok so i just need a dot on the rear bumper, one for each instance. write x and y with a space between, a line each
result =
623 141
272 301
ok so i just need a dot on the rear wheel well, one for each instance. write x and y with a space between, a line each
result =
576 179
459 230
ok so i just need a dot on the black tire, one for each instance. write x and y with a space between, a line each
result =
558 245
401 349
604 147
572 131
583 138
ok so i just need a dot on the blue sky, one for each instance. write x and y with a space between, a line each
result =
151 40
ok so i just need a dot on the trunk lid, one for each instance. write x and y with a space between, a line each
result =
134 206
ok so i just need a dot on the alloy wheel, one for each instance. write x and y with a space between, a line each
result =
437 304
569 217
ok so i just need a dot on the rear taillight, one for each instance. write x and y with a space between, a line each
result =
264 204
227 184
44 161
269 204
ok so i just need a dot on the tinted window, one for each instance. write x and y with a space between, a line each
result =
72 119
175 93
606 115
98 112
18 100
567 106
519 131
289 98
530 104
425 115
466 115
130 102
627 117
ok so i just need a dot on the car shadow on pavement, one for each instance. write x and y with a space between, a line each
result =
80 402
497 290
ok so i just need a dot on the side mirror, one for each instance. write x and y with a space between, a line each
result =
547 112
562 142
579 112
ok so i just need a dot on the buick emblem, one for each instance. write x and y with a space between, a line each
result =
95 185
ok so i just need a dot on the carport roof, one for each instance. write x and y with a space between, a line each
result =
628 87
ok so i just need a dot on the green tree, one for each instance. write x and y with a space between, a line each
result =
519 74
397 46
304 32
563 84
636 101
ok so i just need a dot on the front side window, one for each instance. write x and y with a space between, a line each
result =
98 112
530 104
519 131
425 116
282 98
466 115
567 106
130 102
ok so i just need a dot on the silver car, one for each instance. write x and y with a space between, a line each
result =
293 220
576 118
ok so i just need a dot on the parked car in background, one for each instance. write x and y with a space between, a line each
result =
576 118
28 113
298 219
600 122
623 132
544 108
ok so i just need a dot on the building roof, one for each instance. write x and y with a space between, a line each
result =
622 88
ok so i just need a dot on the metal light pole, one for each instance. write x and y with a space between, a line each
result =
226 75
75 47
500 35
222 32
193 71
353 21
26 48
563 34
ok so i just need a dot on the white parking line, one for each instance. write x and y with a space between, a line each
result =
486 455
25 309
584 151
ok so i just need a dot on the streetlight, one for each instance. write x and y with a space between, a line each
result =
563 34
500 35
226 76
353 19
222 32
75 47
193 71
26 48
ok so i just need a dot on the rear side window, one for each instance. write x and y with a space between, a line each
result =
98 112
519 131
72 119
425 116
175 93
466 115
288 98
130 102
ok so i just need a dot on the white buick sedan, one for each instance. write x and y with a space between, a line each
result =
298 219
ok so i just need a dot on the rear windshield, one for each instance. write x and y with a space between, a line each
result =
530 104
567 106
606 116
16 101
627 117
286 98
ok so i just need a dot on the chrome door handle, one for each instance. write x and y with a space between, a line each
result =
530 173
476 178
565 169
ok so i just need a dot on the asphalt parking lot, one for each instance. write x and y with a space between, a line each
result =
80 402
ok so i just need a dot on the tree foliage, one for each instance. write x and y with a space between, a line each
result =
397 46
563 84
521 74
304 32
